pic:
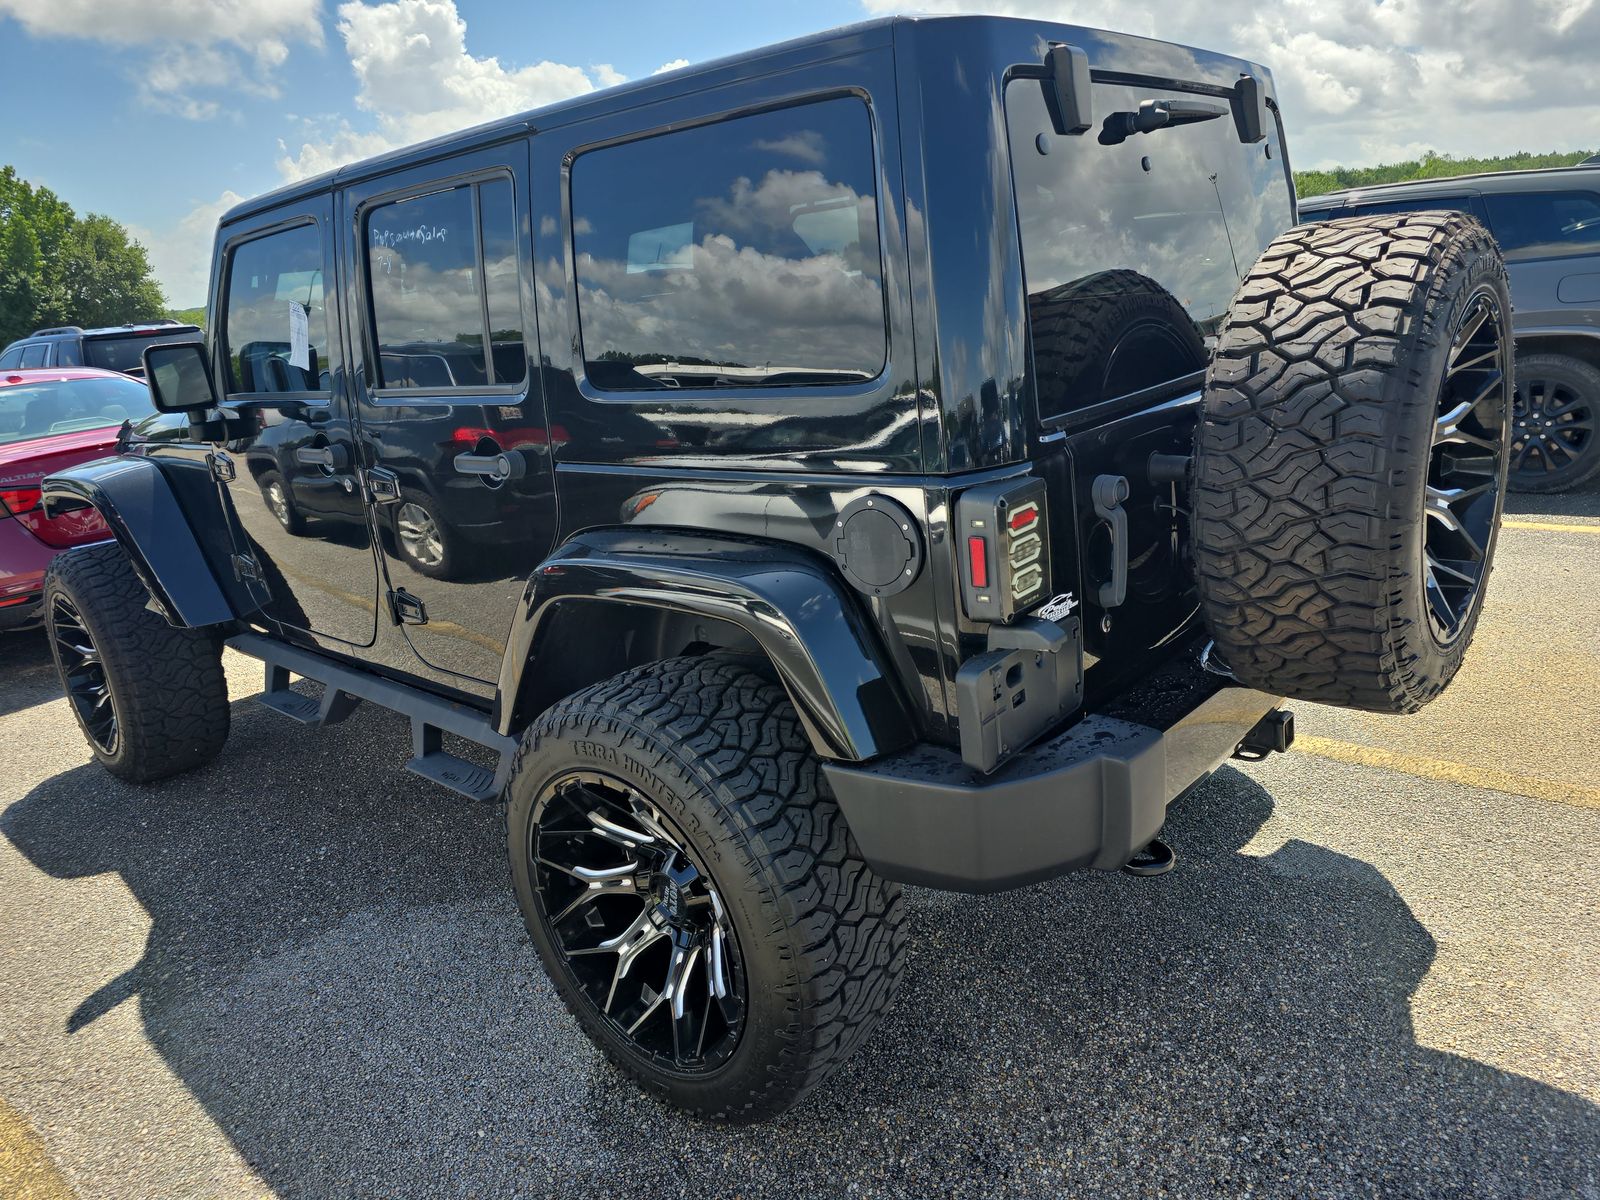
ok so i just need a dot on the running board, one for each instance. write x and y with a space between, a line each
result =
343 688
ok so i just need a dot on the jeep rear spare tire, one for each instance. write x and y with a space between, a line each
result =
1351 459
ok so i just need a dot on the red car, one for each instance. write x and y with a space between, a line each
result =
51 419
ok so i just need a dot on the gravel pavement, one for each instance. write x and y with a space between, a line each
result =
300 972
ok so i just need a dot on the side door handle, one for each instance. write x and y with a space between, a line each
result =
332 458
494 468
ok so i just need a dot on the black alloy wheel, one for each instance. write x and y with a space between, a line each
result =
84 673
1467 465
1554 409
637 921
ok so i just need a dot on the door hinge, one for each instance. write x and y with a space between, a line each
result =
222 468
406 609
245 567
383 485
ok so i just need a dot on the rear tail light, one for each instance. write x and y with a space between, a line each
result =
75 527
1007 564
17 501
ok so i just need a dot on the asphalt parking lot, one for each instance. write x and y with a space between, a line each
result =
1376 971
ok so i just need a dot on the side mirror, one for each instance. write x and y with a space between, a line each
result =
179 377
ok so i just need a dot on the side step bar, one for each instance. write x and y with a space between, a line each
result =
344 688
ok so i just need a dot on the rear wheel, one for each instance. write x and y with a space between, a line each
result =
150 699
1554 442
693 890
280 503
1351 460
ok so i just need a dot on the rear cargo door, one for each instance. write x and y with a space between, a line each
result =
1132 247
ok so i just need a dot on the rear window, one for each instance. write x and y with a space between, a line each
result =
1131 251
1545 224
738 254
34 410
125 352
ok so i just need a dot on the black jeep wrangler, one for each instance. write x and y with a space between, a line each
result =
918 453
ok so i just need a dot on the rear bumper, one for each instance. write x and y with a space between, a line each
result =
1090 797
23 559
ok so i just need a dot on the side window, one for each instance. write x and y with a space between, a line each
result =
69 353
446 303
272 282
1545 224
33 355
11 358
1415 204
757 268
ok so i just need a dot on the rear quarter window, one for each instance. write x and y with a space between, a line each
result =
738 254
1545 224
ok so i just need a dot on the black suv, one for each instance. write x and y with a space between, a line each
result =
917 453
113 348
1548 225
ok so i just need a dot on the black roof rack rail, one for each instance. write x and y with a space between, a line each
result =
57 329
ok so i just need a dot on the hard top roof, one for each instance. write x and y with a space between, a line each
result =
1161 56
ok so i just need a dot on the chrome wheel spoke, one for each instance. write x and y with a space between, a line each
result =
596 842
1471 443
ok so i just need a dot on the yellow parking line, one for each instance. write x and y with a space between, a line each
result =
1550 526
1451 772
26 1172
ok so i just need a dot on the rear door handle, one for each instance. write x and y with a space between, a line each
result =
495 468
332 458
1107 494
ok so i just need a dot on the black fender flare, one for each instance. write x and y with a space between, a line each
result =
137 502
825 652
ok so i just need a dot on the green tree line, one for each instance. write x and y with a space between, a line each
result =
1429 166
57 268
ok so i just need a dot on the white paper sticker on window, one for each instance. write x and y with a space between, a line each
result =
299 336
669 248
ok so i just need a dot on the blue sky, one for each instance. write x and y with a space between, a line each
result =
161 115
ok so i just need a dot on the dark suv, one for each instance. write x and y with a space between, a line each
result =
1548 226
917 453
114 348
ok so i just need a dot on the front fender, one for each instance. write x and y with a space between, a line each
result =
824 651
138 504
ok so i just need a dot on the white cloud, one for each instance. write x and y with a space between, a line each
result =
415 74
180 255
189 46
1362 82
675 65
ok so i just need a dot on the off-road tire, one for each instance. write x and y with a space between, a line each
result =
1583 381
167 687
1079 326
1313 451
717 746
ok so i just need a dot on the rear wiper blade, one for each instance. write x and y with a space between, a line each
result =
1157 114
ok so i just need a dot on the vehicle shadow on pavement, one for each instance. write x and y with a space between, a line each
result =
335 968
27 674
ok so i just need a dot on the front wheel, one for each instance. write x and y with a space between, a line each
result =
693 890
150 698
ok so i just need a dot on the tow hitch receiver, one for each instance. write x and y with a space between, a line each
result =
1275 731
